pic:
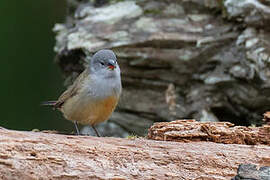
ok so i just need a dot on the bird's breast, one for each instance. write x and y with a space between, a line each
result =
89 111
94 102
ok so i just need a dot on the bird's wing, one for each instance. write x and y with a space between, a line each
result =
72 89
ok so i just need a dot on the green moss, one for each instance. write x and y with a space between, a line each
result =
115 1
223 9
152 11
132 136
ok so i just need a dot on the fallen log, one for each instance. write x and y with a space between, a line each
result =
38 155
219 132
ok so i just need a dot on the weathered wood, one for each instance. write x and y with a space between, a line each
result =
219 132
218 68
36 155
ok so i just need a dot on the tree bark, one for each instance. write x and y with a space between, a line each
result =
206 60
219 132
37 155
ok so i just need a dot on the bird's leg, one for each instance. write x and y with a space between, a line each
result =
76 127
96 131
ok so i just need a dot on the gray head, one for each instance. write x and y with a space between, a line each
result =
104 63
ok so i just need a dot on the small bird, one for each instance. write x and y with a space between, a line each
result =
93 96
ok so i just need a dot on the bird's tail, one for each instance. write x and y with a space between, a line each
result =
48 103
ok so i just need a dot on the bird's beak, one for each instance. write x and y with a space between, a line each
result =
111 64
111 67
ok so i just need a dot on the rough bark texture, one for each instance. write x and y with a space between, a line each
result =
35 155
219 132
207 60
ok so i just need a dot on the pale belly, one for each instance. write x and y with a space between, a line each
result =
89 112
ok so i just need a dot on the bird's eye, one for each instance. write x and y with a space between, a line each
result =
102 63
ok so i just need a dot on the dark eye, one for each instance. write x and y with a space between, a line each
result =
102 63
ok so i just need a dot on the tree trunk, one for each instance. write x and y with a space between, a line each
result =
37 155
206 60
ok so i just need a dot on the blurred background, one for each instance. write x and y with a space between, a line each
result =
28 72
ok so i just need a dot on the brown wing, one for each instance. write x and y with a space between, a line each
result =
72 89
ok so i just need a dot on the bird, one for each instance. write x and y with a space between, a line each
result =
94 94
